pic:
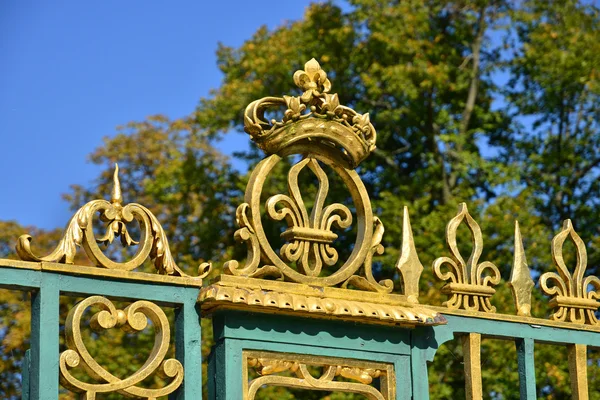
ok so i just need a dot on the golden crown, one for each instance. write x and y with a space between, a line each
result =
315 117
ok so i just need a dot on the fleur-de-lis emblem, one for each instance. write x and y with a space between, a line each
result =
469 287
572 301
313 80
309 238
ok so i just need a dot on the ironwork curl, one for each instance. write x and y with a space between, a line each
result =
359 378
134 318
79 232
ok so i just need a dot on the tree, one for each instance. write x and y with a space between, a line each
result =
427 73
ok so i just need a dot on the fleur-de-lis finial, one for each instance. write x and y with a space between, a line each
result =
468 288
571 299
117 195
312 80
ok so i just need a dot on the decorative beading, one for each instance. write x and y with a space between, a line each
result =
134 318
573 300
469 287
79 232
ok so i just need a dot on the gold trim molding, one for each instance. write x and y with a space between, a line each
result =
359 375
80 233
295 299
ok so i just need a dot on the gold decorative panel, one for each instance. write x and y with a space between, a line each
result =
133 318
294 371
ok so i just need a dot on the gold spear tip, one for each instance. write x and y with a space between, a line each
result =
117 196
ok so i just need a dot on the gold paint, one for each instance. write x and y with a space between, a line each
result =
409 265
471 344
520 282
134 318
80 232
578 371
323 132
468 287
571 299
283 301
359 374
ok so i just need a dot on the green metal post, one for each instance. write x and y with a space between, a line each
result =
25 375
188 347
44 340
526 368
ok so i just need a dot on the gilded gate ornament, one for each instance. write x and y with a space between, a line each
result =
323 132
408 264
520 281
573 300
80 232
133 318
471 282
360 376
309 238
310 278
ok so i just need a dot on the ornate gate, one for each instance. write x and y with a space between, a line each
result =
301 311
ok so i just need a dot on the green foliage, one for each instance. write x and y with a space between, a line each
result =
428 74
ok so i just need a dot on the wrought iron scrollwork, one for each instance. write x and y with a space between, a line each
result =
575 297
133 318
79 232
470 283
359 376
323 132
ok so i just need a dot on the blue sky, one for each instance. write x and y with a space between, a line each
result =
71 71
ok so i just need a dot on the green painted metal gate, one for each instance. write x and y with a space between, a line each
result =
298 313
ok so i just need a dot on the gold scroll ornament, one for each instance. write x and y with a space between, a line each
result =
79 232
323 132
293 371
133 318
573 299
469 286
